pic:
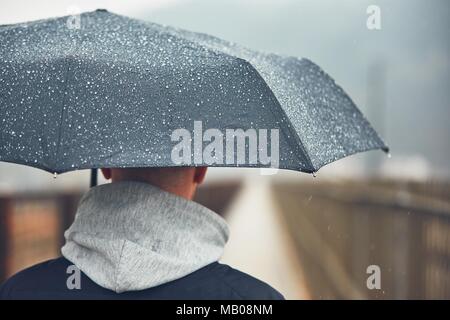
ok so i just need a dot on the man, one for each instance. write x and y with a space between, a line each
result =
141 237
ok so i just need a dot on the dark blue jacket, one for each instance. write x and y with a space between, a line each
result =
48 280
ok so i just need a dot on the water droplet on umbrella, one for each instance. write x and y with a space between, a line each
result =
55 175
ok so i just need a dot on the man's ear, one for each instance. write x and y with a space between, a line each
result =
106 173
199 174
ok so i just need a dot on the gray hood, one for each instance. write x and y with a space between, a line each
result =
132 236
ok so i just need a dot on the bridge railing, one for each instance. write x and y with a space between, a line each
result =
342 228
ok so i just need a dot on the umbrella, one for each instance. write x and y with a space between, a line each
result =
113 92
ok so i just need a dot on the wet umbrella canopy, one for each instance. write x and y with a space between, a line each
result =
112 92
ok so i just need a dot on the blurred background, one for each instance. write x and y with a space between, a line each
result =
310 238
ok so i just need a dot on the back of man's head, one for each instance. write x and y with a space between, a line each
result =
181 181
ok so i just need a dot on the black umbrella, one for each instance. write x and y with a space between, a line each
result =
119 92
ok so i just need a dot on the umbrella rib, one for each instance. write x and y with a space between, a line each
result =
291 128
297 137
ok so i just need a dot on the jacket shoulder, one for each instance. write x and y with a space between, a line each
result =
34 279
215 281
244 286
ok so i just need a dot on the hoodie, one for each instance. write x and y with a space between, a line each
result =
122 230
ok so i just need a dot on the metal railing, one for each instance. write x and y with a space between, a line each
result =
341 228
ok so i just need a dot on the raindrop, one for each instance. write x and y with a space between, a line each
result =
389 155
55 175
314 174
